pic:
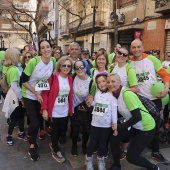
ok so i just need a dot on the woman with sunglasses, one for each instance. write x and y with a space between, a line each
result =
82 85
34 81
26 57
57 103
125 70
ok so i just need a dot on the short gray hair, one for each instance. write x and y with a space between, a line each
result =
74 43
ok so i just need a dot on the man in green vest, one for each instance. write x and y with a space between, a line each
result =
112 55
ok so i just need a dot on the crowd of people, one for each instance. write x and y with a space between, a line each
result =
93 93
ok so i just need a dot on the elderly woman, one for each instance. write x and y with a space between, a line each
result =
57 103
139 125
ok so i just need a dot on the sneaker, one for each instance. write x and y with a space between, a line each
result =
159 157
89 163
114 168
42 135
101 163
74 151
33 153
122 155
48 131
9 140
23 137
62 139
58 156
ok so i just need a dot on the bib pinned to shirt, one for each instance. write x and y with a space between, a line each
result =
42 85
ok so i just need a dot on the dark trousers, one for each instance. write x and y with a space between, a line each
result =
140 139
166 113
33 112
17 116
58 126
76 129
98 138
155 141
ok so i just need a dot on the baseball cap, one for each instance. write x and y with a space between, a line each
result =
85 51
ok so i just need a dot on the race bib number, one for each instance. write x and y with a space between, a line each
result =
142 77
100 109
42 85
61 100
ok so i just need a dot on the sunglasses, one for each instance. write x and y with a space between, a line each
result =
123 54
66 65
28 57
79 67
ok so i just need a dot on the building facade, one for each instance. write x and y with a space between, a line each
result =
147 20
10 31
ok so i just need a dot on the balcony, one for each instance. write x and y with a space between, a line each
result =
162 6
64 31
87 23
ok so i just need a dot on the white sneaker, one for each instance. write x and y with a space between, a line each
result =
89 163
101 163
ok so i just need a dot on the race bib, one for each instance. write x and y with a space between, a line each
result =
100 109
42 85
61 100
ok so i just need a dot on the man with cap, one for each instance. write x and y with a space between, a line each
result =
85 55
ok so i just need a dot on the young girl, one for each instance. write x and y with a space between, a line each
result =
104 114
13 104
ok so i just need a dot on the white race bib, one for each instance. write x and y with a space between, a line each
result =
42 85
61 100
100 109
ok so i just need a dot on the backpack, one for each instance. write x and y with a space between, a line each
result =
149 105
4 84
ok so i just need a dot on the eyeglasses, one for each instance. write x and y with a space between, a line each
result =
28 57
79 67
57 53
66 65
123 54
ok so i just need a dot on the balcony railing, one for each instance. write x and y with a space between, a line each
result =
87 22
162 6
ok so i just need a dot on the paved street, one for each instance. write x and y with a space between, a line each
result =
16 158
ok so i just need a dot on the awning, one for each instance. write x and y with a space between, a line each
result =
108 31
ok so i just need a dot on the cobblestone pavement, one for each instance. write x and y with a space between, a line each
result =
16 157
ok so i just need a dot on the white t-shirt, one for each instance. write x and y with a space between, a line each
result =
105 110
121 71
146 75
61 105
80 90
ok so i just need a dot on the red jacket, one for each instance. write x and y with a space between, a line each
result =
49 96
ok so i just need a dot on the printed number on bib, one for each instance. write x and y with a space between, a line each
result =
100 109
61 100
42 85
